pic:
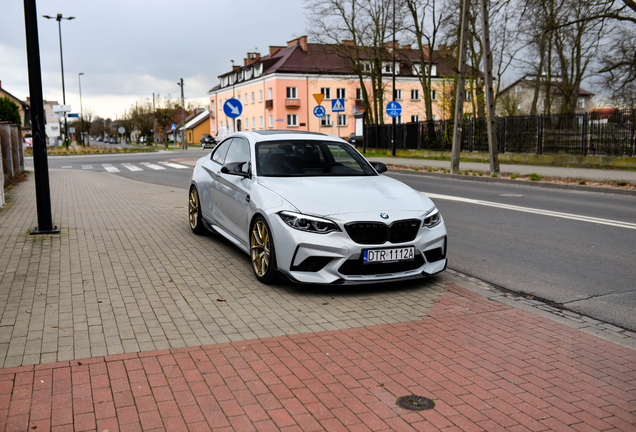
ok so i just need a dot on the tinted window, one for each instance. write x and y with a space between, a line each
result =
221 150
299 158
239 151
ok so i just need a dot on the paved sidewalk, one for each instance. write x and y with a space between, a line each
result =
547 171
115 325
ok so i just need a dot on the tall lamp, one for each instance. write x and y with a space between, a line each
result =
79 78
59 19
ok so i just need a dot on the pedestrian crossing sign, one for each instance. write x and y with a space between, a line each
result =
337 105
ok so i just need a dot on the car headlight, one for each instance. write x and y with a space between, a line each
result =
308 223
432 218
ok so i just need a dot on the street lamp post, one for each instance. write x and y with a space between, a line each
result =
59 19
79 78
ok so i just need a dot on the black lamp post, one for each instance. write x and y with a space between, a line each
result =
79 78
59 19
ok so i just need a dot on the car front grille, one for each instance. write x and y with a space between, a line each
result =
355 267
379 233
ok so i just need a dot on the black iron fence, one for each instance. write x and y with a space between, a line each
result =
597 133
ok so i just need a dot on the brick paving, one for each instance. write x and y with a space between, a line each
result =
114 326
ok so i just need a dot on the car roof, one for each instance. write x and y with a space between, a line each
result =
272 135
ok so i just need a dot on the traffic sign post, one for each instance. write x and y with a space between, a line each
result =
233 108
337 106
320 111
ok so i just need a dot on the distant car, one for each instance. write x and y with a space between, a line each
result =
207 141
112 140
142 140
352 139
99 139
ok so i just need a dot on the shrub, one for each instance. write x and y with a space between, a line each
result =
582 182
514 176
535 177
621 183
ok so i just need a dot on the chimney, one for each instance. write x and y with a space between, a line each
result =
303 43
348 43
235 67
389 45
252 57
406 47
293 42
274 49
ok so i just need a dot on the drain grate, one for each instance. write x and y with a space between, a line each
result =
415 403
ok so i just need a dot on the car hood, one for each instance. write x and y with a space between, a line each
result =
324 196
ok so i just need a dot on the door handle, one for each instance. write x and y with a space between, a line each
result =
247 198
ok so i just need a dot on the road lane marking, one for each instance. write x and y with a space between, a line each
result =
609 222
152 166
111 168
68 166
132 167
87 166
174 165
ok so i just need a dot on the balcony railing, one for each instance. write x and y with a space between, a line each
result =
269 103
292 103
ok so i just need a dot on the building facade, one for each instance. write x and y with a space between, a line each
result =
277 91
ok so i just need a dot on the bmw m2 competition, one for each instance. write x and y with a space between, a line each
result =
309 207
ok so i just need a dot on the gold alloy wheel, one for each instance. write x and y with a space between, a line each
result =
194 209
260 243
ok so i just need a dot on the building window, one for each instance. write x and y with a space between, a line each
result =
326 91
433 70
253 97
469 95
292 93
542 102
366 67
398 119
580 103
415 95
387 68
518 89
269 94
253 122
325 120
417 69
260 123
341 93
434 95
359 94
342 119
434 117
247 123
292 119
415 118
260 95
270 121
245 99
397 94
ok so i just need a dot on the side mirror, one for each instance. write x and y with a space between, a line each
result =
379 167
235 168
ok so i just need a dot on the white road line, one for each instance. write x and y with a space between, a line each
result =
174 165
111 168
152 166
67 166
609 222
132 167
87 166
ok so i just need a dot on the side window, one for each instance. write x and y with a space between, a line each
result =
239 152
221 150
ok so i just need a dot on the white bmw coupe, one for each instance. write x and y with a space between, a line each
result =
309 207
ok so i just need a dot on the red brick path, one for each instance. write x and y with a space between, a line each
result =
487 366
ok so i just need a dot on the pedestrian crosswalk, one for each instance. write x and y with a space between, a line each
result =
124 167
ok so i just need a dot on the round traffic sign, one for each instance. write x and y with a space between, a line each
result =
393 109
121 130
232 108
319 111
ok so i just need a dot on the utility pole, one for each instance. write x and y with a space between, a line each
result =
184 143
460 90
393 99
79 78
490 97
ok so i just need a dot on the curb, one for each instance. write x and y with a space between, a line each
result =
518 182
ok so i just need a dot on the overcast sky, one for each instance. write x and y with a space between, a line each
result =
128 49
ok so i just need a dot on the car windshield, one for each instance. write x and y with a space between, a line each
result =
300 158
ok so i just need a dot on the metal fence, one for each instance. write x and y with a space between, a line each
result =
597 133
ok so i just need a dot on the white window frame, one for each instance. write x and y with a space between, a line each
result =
253 122
246 124
468 96
415 118
398 119
292 119
253 99
415 95
341 93
398 94
434 117
325 121
270 93
366 67
245 99
342 120
433 95
270 121
260 95
359 95
580 103
517 89
326 91
417 69
261 123
387 68
292 93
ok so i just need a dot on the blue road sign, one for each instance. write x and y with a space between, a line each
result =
337 105
232 108
173 126
319 111
74 115
393 109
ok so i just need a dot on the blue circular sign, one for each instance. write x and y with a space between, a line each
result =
393 109
232 108
319 111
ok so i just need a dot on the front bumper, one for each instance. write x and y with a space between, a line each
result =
335 258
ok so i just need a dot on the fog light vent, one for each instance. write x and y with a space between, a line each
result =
415 403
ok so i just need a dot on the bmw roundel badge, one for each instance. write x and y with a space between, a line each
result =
384 215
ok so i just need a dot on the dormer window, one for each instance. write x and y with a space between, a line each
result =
387 68
257 70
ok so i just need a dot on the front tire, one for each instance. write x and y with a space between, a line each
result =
262 251
194 211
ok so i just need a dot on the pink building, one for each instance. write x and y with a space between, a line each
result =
277 90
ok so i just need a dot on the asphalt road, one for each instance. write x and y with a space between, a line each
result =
572 248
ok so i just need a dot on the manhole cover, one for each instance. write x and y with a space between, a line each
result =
415 403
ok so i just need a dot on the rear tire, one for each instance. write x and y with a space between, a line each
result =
262 251
194 210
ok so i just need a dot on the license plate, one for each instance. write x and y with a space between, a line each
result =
384 256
